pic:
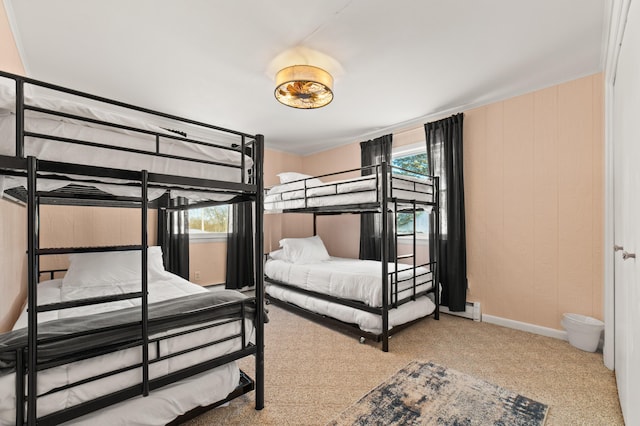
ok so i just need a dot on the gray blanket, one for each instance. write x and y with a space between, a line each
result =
163 316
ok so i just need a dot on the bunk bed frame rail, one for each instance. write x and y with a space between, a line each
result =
246 140
378 171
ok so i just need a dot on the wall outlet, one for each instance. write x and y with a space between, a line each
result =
196 275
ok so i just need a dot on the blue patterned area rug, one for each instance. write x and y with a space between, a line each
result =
429 394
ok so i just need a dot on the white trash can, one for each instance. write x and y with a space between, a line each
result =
583 331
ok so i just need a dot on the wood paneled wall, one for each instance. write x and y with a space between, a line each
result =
534 203
62 226
277 226
13 262
13 224
209 261
10 60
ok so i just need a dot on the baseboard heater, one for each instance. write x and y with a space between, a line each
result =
471 311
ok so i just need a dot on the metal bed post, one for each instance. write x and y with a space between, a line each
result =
259 255
436 257
315 225
32 300
394 284
19 386
414 247
19 118
242 166
145 285
385 260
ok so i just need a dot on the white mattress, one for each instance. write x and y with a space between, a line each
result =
351 279
79 154
371 323
170 286
165 404
348 191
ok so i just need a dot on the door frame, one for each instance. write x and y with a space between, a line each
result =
616 11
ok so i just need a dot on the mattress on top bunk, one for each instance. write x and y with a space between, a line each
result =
351 279
117 189
357 190
104 279
366 321
79 154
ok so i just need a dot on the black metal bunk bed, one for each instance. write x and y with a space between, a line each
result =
34 352
388 201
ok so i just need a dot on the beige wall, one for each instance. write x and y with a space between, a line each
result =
13 262
9 57
208 262
340 234
534 203
13 224
64 226
277 226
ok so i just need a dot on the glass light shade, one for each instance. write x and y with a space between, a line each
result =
304 86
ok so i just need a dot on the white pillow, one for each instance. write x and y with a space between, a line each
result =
278 255
286 177
304 250
111 268
292 181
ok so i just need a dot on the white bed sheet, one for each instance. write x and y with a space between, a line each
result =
371 323
170 286
165 404
347 191
351 279
78 154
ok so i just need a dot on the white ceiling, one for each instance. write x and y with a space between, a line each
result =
398 62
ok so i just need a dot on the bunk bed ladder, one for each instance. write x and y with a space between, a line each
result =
30 367
412 255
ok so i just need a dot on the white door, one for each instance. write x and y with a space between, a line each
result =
626 146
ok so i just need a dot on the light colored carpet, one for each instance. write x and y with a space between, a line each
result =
314 373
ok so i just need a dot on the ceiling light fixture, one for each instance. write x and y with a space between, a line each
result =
304 87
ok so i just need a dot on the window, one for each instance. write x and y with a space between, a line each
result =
209 223
412 158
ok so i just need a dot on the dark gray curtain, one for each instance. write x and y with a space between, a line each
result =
240 246
173 235
444 155
373 152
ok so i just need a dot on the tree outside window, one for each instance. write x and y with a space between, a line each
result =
209 222
414 161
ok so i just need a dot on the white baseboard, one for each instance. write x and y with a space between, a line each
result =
472 311
524 326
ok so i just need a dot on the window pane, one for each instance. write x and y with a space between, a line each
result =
209 219
415 162
405 222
